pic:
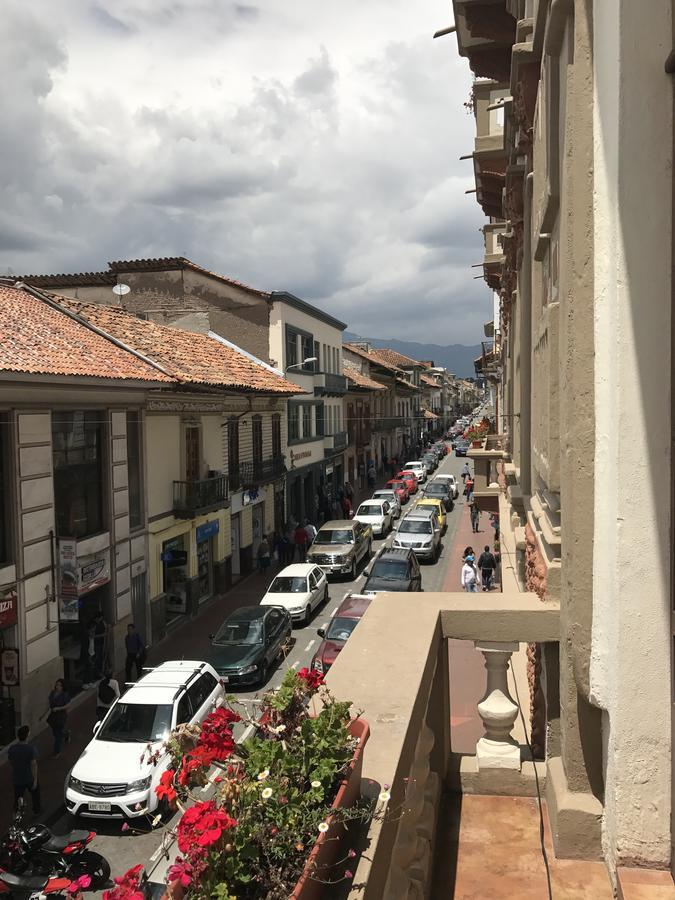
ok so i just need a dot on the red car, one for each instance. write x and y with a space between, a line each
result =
339 628
410 479
401 488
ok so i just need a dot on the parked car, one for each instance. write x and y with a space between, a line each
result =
378 514
450 480
411 480
401 488
248 642
391 497
115 776
422 534
337 632
417 466
394 569
340 546
437 504
440 490
430 462
300 589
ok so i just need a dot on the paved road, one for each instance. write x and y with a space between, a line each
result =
125 849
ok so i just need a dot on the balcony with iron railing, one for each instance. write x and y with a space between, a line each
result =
333 443
193 498
388 423
253 473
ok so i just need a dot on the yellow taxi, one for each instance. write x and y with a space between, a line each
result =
440 510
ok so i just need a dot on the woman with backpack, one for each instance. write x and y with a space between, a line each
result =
106 695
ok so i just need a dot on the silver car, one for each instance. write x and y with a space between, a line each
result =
391 497
420 532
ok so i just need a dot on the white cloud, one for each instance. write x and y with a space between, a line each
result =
300 146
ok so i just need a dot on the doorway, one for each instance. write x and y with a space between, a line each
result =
258 527
235 543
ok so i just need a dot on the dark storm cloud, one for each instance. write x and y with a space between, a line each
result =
295 146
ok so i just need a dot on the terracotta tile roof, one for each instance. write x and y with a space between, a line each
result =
405 383
359 380
37 339
394 358
372 356
190 357
160 264
427 379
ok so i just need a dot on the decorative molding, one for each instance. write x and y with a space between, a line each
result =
161 405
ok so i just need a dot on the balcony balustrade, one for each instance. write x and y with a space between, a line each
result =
409 756
256 472
329 383
192 498
335 442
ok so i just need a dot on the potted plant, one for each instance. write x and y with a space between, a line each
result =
280 801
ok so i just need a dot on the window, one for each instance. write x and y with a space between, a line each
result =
184 713
192 453
201 690
276 435
320 419
257 439
326 359
291 347
134 469
317 353
306 420
306 349
329 420
233 450
293 421
77 447
338 419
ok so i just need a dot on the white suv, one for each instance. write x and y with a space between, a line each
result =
418 467
113 778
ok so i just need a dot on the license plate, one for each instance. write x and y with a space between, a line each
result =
100 807
224 678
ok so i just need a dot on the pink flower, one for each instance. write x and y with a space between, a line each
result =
125 826
351 854
349 873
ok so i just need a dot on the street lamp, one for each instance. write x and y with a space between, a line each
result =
301 365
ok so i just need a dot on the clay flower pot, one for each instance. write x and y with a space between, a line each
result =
327 846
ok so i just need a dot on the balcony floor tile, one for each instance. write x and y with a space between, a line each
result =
489 847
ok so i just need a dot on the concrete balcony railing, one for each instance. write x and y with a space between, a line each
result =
334 442
409 754
494 252
328 383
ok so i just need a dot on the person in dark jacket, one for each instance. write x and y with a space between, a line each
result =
135 648
57 716
487 565
22 758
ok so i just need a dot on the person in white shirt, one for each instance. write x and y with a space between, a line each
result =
311 532
469 575
107 694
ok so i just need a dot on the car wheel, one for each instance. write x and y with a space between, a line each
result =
369 551
264 671
326 598
308 614
352 573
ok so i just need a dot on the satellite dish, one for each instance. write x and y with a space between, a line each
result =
121 289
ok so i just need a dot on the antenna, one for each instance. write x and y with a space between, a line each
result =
121 289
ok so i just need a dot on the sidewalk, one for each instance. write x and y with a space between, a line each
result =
191 641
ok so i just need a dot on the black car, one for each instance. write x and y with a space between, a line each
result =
461 448
248 642
439 490
394 570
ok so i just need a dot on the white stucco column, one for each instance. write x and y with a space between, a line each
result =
497 749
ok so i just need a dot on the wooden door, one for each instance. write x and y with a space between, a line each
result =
192 453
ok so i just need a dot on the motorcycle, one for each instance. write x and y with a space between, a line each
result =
31 887
34 851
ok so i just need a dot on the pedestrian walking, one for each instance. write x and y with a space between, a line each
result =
264 555
468 551
100 641
300 540
466 472
474 511
468 489
469 575
372 474
106 695
311 532
487 565
135 648
57 716
23 758
347 508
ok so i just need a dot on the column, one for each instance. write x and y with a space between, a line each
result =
497 749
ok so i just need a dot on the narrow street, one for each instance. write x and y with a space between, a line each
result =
124 849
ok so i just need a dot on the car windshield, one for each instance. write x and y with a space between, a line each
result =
340 628
415 526
385 495
393 569
335 536
436 489
240 631
369 509
136 723
287 584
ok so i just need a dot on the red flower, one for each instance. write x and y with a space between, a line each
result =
182 872
188 766
127 886
313 680
165 788
215 740
201 827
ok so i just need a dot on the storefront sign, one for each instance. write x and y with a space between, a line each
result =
78 577
9 667
207 530
249 497
175 560
302 454
329 469
9 607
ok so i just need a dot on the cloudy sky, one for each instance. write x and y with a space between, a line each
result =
295 145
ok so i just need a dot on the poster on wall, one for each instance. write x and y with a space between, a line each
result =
9 607
78 577
9 667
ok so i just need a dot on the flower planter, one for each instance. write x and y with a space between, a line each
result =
328 844
476 444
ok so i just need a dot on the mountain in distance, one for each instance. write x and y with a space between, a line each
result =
456 358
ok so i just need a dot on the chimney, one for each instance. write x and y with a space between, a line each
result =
362 345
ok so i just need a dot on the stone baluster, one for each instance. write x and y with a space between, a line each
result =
497 749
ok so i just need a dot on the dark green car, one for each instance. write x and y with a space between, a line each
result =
248 643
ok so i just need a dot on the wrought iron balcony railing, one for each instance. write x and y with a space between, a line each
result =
192 498
256 472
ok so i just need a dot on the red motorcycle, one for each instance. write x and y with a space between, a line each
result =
30 887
